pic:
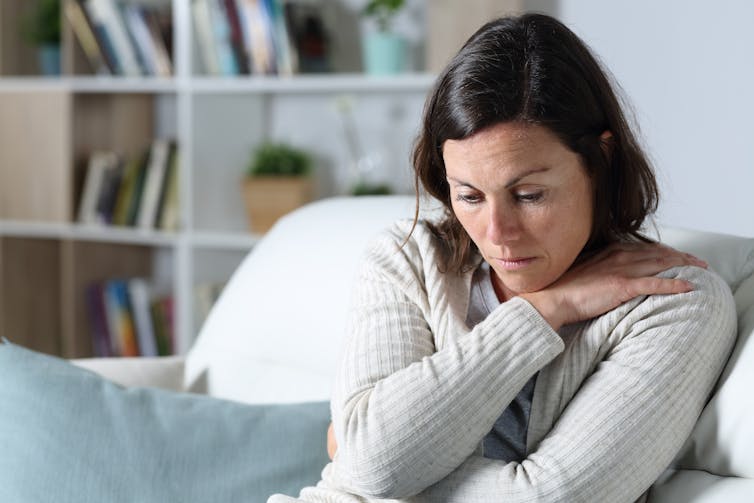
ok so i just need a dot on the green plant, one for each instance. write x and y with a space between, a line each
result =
383 12
42 26
279 159
366 189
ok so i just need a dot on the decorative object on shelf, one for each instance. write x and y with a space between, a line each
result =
310 35
42 29
384 50
277 182
364 167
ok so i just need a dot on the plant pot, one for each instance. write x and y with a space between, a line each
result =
268 198
49 59
384 53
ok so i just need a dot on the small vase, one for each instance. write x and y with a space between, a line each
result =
49 59
384 53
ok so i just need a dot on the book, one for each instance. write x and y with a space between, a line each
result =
257 29
95 308
119 318
107 15
140 296
237 37
155 176
208 51
133 16
222 34
85 34
169 216
108 193
161 314
95 179
126 191
163 60
135 202
285 56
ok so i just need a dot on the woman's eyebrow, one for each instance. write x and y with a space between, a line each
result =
524 175
507 185
459 182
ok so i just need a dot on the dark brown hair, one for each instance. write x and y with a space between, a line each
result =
534 70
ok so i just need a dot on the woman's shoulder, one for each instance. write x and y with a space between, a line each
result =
709 306
708 285
405 239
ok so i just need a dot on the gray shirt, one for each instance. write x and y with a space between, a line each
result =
507 439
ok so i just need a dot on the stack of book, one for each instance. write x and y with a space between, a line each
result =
123 38
126 320
237 37
138 192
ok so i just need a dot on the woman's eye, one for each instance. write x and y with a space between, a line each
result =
468 198
529 197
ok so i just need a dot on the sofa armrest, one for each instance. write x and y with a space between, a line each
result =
156 372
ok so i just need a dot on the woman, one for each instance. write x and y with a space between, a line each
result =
533 345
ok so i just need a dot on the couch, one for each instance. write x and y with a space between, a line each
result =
274 336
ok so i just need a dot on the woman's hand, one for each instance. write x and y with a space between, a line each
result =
332 445
612 277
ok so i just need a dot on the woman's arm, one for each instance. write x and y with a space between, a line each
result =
629 418
405 414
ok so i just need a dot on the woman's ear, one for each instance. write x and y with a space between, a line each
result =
607 143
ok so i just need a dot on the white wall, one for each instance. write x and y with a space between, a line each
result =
688 69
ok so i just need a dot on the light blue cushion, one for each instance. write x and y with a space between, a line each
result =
68 435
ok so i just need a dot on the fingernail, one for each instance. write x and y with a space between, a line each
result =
699 261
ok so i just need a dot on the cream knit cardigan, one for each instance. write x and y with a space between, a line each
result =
614 400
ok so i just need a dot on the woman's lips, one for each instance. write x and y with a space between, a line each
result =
514 264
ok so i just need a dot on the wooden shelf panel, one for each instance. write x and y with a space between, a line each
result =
30 293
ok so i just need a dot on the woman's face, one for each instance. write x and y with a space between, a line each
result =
525 200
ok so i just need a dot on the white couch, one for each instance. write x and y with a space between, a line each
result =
275 333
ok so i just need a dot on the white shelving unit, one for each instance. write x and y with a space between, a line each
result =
217 121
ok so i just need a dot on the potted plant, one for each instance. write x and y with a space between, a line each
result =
277 181
42 29
384 50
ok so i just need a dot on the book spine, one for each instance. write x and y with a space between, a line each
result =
84 32
222 34
163 60
205 36
140 38
108 15
95 304
167 215
120 309
237 37
155 176
139 294
109 192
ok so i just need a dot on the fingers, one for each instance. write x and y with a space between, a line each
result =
650 258
656 286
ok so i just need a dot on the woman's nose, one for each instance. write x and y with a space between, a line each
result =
503 225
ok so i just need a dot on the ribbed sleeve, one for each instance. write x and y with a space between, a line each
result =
408 413
614 399
625 422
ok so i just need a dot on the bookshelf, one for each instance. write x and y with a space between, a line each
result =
50 125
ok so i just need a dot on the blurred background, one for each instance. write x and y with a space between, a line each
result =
147 145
